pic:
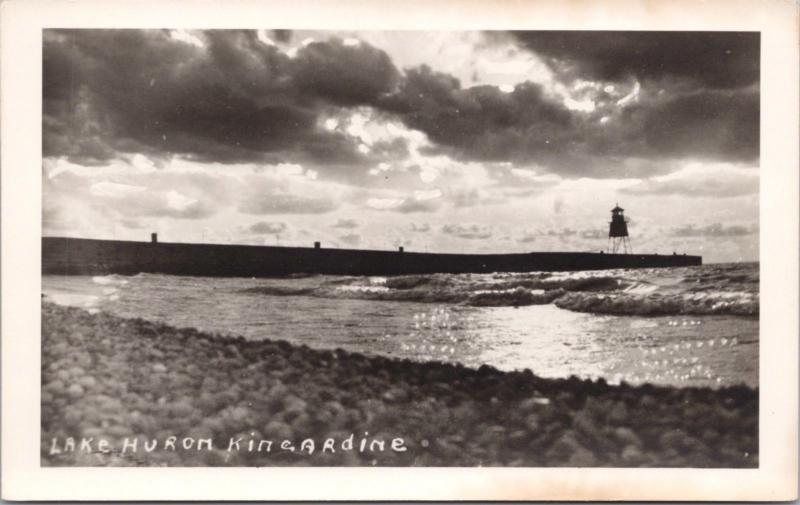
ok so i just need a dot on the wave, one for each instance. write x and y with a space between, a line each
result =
712 289
501 282
737 304
72 299
105 280
513 297
442 294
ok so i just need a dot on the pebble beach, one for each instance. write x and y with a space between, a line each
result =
132 392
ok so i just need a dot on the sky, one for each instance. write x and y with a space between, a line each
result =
435 141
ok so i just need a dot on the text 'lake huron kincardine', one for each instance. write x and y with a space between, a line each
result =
400 248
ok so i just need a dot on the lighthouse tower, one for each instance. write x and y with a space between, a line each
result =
618 232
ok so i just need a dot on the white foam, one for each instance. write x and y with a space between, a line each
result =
108 279
73 299
641 288
365 289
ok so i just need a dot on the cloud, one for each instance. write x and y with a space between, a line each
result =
346 224
283 36
352 239
558 204
719 60
527 125
714 230
420 201
564 232
114 189
54 218
481 122
718 124
160 207
130 201
418 205
527 238
286 204
344 74
132 223
594 234
241 126
468 232
472 197
233 99
267 228
719 185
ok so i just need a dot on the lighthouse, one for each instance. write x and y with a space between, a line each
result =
618 232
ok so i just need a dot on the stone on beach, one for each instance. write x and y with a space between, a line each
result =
75 391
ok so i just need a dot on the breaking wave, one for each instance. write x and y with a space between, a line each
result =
704 290
737 304
110 280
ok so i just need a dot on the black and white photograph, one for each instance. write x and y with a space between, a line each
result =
452 251
280 247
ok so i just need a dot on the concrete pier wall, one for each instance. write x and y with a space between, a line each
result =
71 256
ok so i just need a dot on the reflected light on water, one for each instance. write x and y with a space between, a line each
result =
550 341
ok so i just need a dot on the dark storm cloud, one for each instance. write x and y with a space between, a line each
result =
267 228
714 230
711 59
480 122
485 124
235 100
699 92
467 231
344 75
708 124
238 99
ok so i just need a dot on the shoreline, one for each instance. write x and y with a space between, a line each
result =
125 380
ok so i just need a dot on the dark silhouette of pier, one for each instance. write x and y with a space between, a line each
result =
75 256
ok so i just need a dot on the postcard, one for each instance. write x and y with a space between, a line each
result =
420 250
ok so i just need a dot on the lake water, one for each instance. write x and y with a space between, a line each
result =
692 326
